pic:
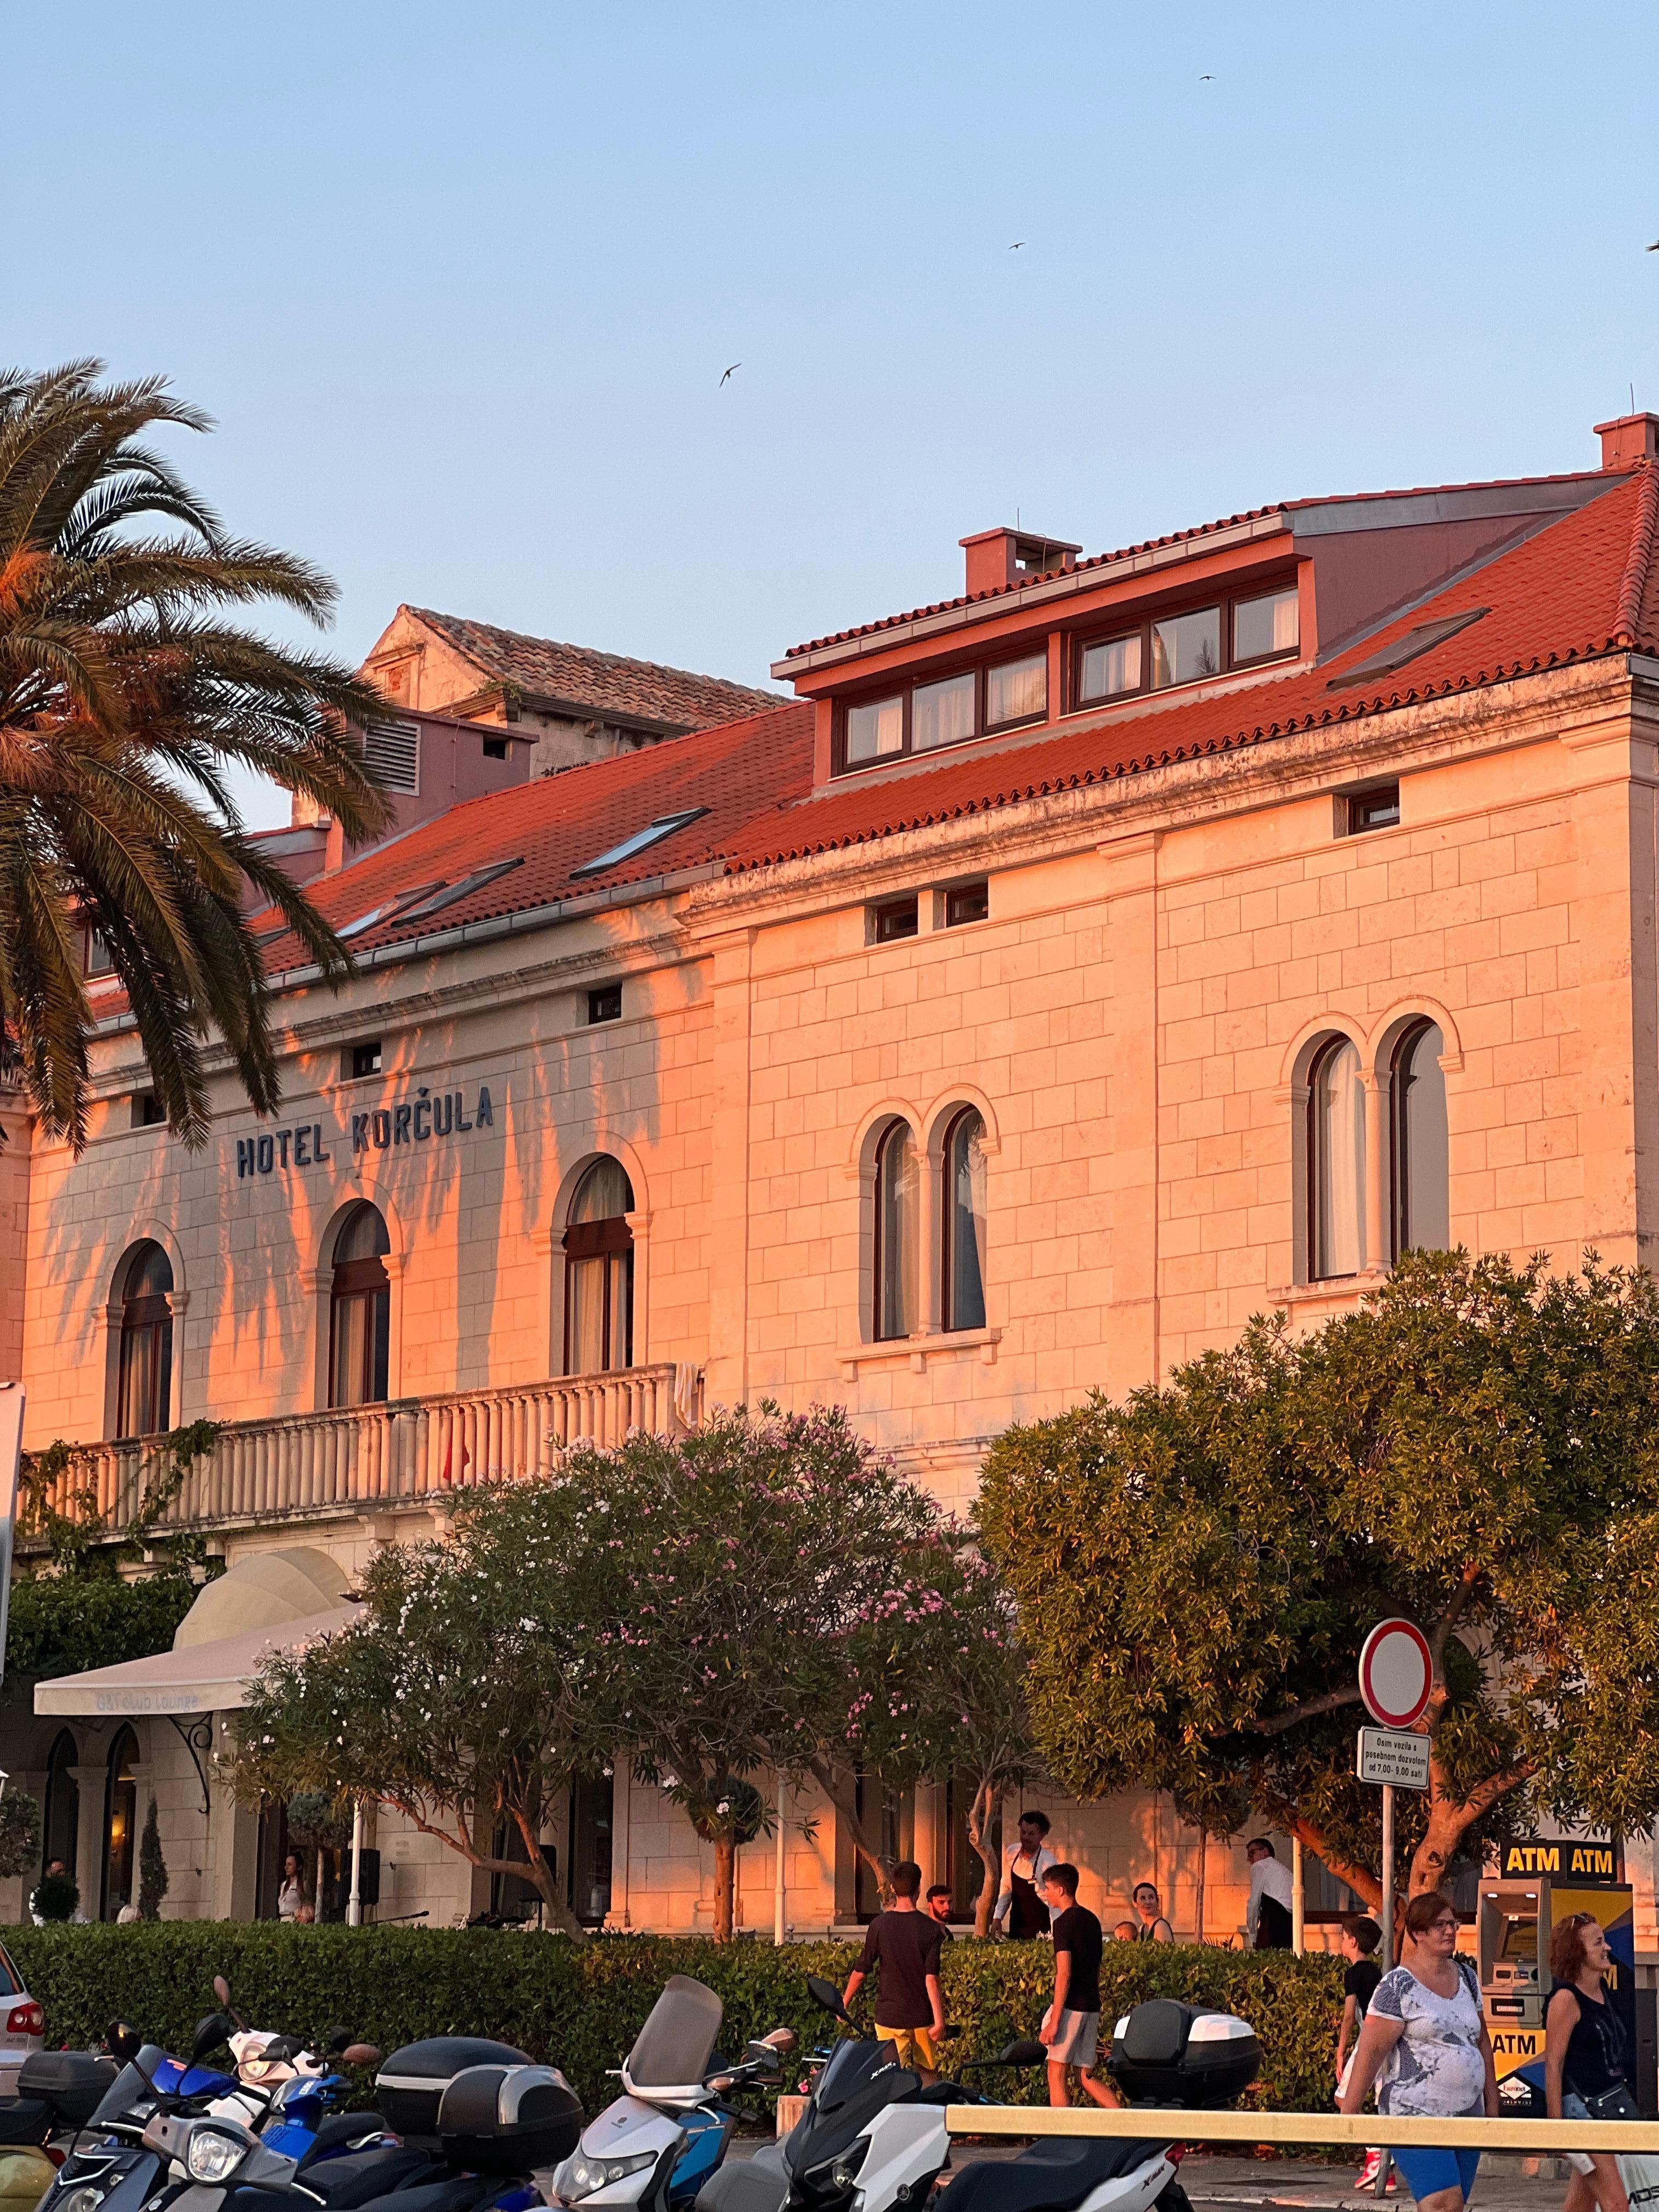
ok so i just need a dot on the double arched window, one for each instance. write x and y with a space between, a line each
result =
143 1396
599 1273
360 1310
929 1222
1405 1174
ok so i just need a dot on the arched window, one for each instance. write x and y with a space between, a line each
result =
1336 1163
120 1824
599 1273
145 1387
898 1196
360 1310
61 1829
1422 1210
961 1216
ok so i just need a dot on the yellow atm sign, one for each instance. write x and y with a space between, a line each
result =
1514 2048
1563 1860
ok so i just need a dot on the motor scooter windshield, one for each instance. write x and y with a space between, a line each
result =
860 2079
675 2046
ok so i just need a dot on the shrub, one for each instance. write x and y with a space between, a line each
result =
581 2005
19 1833
55 1898
152 1868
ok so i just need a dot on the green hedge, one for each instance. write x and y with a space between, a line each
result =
581 2005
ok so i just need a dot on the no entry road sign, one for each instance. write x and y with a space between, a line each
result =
1396 1674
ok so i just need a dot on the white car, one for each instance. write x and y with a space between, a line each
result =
24 2025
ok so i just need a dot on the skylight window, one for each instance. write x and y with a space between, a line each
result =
641 841
452 894
392 909
1387 658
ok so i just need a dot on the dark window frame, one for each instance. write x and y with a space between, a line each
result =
1110 633
368 1282
612 1241
905 693
349 1071
147 1364
1355 802
605 1005
950 1322
981 888
887 910
896 1131
1402 1076
1337 1042
148 1112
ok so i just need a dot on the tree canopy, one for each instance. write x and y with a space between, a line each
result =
126 695
1475 1448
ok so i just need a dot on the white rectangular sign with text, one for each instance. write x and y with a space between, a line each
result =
1385 1756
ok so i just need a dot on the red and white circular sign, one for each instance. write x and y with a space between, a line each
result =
1395 1673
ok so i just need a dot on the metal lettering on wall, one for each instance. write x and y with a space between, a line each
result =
417 1122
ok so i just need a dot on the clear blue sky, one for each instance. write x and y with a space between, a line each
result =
459 283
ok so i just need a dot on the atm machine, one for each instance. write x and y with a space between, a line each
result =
1544 1881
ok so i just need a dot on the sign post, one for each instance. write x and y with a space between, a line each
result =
1396 1674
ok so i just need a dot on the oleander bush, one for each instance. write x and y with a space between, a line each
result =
580 2006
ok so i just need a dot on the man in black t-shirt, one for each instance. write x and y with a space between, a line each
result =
1071 2026
904 1943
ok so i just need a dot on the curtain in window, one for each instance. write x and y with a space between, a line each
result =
599 1279
360 1311
941 713
964 1222
1337 1135
898 1194
1422 1210
144 1373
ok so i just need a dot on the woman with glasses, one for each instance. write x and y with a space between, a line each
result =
1425 2043
1586 2056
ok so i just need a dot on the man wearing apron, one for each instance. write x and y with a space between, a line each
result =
1020 1901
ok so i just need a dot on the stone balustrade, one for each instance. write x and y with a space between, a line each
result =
355 1457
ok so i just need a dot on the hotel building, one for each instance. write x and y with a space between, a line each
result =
1073 969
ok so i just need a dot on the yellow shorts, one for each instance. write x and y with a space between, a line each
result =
912 2046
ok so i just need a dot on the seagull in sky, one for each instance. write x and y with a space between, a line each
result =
1653 248
732 371
1207 80
1015 247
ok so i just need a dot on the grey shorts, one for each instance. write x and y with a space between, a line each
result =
1076 2036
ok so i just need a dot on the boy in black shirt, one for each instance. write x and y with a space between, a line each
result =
1359 1941
905 1944
1071 2026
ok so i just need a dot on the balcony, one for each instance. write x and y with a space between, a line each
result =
357 1458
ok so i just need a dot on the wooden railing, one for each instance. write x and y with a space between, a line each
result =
358 1455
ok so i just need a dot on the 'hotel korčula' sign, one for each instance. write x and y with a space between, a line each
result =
426 1118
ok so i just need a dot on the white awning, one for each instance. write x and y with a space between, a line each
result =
202 1678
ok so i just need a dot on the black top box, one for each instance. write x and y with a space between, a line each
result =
1164 2052
72 2082
411 2084
509 2119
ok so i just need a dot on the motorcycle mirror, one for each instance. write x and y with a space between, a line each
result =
221 1990
1025 2051
209 2034
764 2055
362 2054
123 2041
827 1995
781 2038
338 2040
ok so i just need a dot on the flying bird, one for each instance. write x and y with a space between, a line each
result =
732 371
1015 247
1653 248
1207 80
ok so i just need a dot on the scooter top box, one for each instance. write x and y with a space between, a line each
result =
72 2082
509 2119
409 2086
1165 2052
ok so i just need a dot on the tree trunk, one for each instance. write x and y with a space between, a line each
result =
839 1791
725 1882
981 1812
547 1885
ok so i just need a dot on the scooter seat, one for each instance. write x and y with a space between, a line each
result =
1050 2176
453 2192
337 2129
25 2120
357 2179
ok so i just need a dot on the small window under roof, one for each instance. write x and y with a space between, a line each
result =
1387 658
641 841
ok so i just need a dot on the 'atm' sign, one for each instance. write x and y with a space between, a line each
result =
1574 1862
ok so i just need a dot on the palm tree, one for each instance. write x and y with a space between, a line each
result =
125 695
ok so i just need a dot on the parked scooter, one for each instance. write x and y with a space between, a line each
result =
1163 2054
872 2139
660 2141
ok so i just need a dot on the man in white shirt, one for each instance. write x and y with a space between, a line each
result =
1269 1915
1021 1901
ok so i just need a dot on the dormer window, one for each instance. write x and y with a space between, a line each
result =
1187 645
947 711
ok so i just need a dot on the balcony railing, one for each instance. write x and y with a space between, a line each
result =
362 1455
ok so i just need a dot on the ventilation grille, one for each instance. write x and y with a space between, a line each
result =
392 753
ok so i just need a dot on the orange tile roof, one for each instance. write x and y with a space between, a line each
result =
1584 585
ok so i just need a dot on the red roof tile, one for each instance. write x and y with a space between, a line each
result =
1584 585
607 682
1289 507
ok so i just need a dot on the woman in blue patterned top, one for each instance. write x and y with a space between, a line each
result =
1425 2043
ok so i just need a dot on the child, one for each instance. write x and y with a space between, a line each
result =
1071 2026
1360 1938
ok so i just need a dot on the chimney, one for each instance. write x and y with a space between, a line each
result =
1631 439
997 558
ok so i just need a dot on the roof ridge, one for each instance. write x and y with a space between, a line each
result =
1633 582
585 652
